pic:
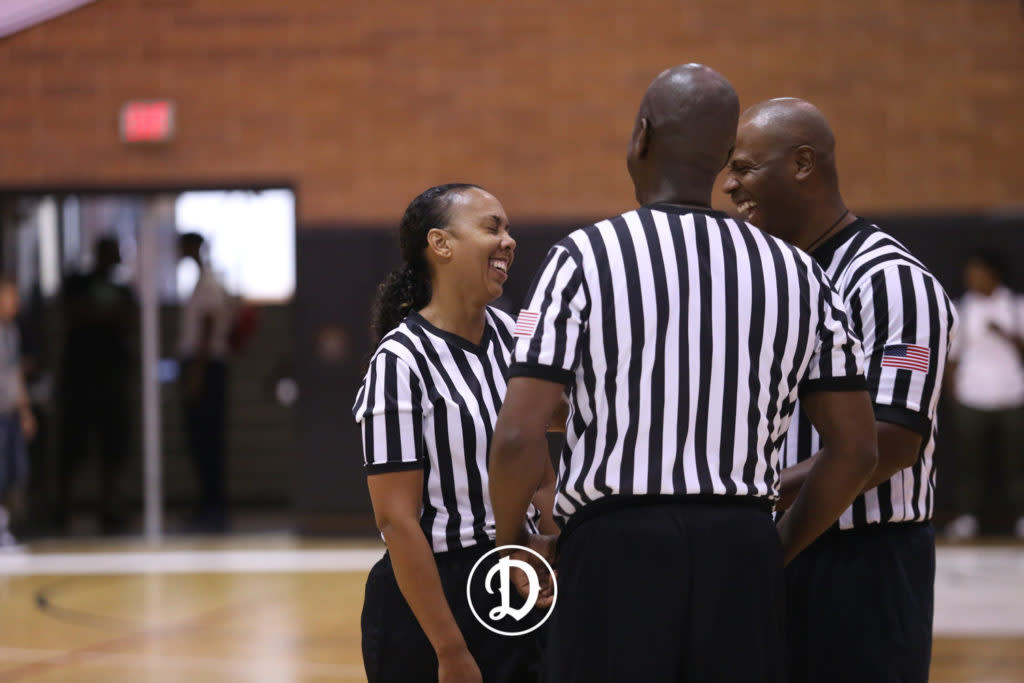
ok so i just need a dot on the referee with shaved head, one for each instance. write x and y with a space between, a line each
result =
684 339
860 598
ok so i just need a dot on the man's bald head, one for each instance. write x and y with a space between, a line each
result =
786 123
686 123
782 176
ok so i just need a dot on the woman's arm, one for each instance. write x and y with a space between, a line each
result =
397 499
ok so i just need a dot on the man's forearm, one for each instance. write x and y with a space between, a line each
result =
793 478
516 471
832 483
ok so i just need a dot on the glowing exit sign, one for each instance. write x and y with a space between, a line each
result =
147 121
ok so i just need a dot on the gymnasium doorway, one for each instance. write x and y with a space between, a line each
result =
53 242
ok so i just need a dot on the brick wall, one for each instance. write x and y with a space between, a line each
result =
361 105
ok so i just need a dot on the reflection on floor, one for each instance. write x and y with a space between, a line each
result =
276 609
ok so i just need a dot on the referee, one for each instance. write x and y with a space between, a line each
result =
684 338
860 598
427 409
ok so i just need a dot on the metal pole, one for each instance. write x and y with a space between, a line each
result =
149 295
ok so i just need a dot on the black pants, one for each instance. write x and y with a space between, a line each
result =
667 593
396 650
860 606
205 422
982 435
95 414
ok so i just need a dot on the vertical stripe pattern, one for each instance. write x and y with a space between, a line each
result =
896 307
684 337
430 400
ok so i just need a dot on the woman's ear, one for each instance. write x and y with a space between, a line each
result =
439 241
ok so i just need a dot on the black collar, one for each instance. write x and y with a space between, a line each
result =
827 249
451 337
682 210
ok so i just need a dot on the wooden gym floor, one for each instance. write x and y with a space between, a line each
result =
275 610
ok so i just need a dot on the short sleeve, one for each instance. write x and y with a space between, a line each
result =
389 410
551 328
904 327
837 363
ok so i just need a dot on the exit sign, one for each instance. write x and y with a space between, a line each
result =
147 121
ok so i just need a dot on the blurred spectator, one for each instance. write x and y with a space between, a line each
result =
95 380
987 369
16 420
206 320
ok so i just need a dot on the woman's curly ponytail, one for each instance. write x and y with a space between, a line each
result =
408 288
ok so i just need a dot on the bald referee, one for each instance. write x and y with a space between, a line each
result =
860 598
683 337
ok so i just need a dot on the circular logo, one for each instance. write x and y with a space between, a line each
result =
496 602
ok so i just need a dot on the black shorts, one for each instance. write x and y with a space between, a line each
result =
665 592
860 604
396 650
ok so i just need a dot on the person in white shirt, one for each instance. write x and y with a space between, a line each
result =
203 350
987 371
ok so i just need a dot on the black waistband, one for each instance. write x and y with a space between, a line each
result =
472 551
618 502
835 531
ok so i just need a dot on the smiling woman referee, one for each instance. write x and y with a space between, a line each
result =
427 408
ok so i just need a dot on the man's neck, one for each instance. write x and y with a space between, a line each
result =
820 223
682 190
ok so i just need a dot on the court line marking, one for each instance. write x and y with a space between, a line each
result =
978 590
188 562
142 661
112 651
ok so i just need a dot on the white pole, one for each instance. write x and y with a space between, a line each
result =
152 471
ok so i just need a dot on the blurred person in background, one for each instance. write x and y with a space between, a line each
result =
17 423
94 393
203 351
987 377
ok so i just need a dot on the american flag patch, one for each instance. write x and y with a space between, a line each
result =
526 323
906 356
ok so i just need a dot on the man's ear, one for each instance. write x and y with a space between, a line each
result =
439 242
640 141
805 158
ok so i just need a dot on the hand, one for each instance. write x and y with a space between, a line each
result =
457 666
545 546
28 424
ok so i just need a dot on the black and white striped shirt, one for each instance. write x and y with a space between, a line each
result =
906 324
684 337
430 400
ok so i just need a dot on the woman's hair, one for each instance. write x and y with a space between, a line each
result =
408 288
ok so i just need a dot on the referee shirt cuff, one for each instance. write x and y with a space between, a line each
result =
849 383
905 417
385 467
545 372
